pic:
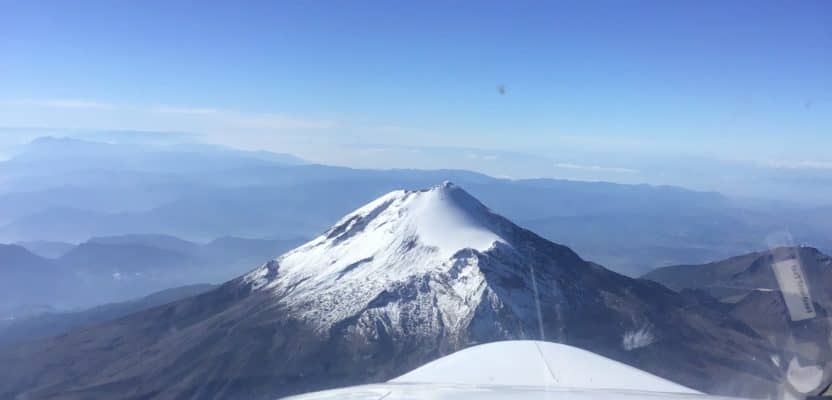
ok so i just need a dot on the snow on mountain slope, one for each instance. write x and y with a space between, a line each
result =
399 236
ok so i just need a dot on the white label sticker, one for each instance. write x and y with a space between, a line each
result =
795 291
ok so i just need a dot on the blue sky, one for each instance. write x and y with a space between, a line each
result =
619 90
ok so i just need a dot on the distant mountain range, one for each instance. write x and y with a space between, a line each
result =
28 283
46 248
107 269
68 190
747 287
55 323
402 280
735 278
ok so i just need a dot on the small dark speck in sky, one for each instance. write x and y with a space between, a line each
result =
501 89
809 103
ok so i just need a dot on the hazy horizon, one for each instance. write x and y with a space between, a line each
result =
688 97
741 179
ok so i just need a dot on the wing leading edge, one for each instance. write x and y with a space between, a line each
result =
523 369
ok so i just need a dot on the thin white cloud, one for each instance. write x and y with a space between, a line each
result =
805 164
185 110
63 104
483 157
269 121
279 121
177 117
597 168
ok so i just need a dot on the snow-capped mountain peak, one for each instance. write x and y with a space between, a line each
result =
416 274
396 238
444 217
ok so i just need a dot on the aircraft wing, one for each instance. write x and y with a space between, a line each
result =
519 370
